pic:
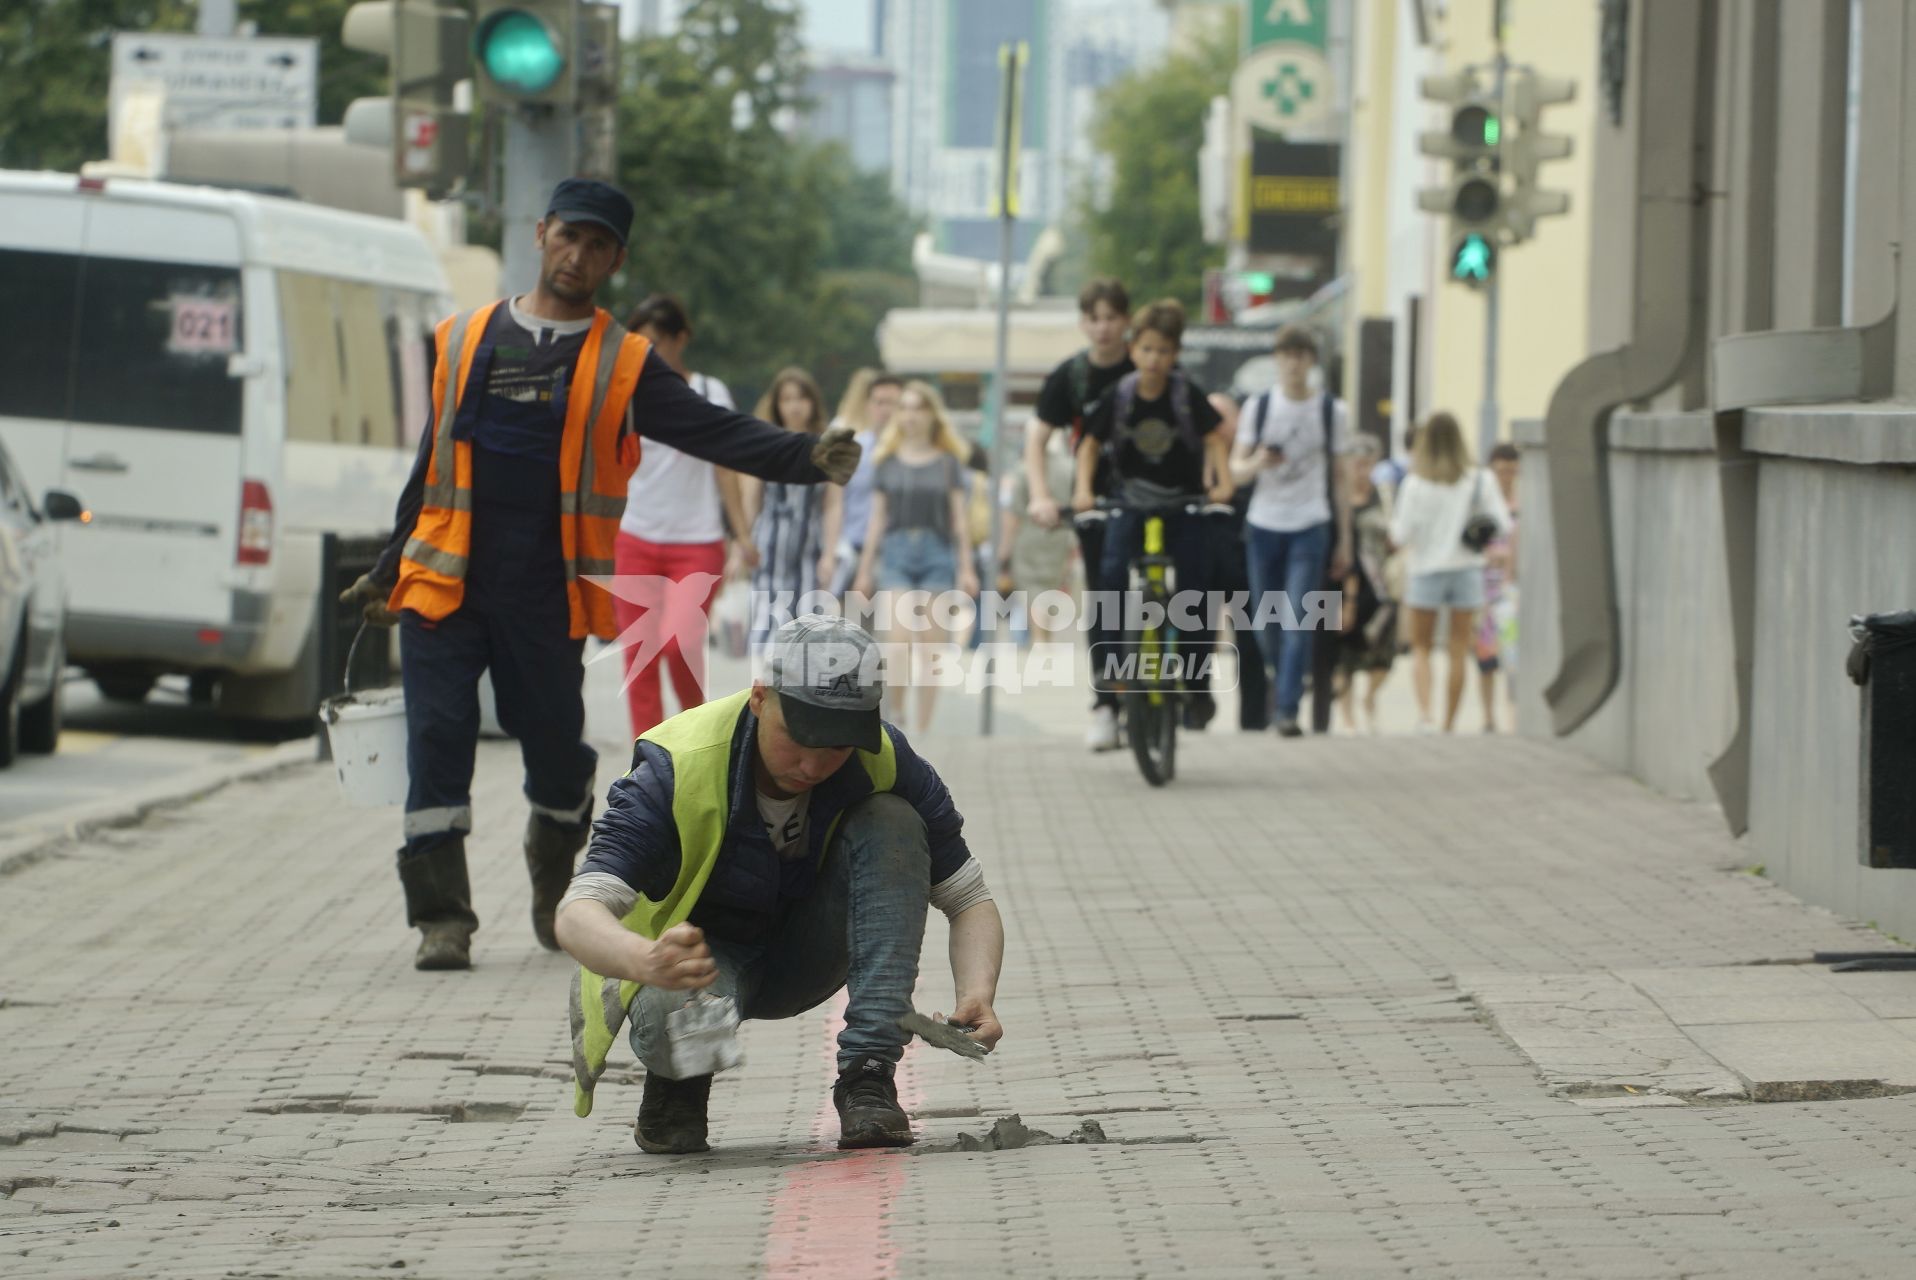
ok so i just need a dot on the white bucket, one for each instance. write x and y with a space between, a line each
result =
367 733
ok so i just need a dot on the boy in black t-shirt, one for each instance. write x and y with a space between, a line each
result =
1104 313
1159 436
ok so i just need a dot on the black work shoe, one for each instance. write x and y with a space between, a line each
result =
672 1116
444 944
868 1110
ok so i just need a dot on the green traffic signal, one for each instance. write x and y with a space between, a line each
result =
1473 260
519 52
1476 125
1260 281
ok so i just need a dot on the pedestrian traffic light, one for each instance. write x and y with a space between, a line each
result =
1473 259
427 48
526 51
1473 196
1530 147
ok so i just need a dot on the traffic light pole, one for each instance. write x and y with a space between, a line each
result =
1490 415
539 146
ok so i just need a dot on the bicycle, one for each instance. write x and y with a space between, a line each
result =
1153 694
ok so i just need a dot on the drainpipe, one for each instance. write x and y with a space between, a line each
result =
1675 75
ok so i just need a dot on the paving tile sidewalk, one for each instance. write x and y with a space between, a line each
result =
215 1060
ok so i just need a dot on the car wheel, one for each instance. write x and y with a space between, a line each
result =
10 708
123 686
40 723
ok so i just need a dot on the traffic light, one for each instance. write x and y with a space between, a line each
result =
1473 259
526 51
1473 198
1530 147
427 47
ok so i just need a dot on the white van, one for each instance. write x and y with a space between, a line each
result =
223 379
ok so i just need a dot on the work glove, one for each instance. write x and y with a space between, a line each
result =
371 597
837 453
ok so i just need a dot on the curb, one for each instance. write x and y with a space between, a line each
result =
42 836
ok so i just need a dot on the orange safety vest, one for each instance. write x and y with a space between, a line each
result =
593 473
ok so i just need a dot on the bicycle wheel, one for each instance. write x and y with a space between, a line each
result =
1151 722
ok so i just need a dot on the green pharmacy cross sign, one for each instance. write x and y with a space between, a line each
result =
1289 89
1283 84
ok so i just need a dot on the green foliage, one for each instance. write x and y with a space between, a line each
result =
55 58
1151 126
54 61
783 253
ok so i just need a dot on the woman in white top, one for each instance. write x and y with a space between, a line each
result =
672 541
1441 497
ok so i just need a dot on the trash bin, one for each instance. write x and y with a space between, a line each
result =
1883 662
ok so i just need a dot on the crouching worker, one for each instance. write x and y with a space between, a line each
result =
773 847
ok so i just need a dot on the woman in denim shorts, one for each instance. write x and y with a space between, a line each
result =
1439 497
918 540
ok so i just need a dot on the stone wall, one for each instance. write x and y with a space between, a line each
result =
1836 536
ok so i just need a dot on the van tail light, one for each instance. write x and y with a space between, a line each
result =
255 524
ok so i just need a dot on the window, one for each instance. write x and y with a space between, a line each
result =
156 338
352 352
36 332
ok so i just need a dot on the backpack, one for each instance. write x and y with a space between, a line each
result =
1181 410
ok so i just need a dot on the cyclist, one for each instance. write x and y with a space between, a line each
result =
1165 446
1070 392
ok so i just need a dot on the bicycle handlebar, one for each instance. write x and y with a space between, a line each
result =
1108 507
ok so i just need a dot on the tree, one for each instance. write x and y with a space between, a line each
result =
55 58
783 253
1151 125
54 62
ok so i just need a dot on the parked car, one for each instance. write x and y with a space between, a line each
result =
228 378
33 606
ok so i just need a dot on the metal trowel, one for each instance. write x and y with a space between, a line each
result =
701 1036
943 1035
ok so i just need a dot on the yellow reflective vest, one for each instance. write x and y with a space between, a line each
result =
699 742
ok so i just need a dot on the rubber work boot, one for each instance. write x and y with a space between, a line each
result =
439 905
672 1116
550 851
868 1110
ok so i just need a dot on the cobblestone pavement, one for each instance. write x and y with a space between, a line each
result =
215 1060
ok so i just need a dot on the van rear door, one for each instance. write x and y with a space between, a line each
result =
153 446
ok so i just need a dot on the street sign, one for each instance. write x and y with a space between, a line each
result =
1284 84
1295 199
219 82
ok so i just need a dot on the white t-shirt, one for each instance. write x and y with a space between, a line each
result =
1294 494
785 822
1429 519
674 497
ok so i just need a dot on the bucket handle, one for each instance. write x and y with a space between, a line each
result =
352 650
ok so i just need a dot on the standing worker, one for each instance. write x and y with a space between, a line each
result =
514 503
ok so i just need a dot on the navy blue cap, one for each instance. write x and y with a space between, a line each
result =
588 200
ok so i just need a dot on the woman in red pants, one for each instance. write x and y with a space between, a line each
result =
671 547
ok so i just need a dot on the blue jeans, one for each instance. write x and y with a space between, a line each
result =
1294 563
862 926
916 560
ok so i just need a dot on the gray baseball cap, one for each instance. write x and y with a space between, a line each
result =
825 671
